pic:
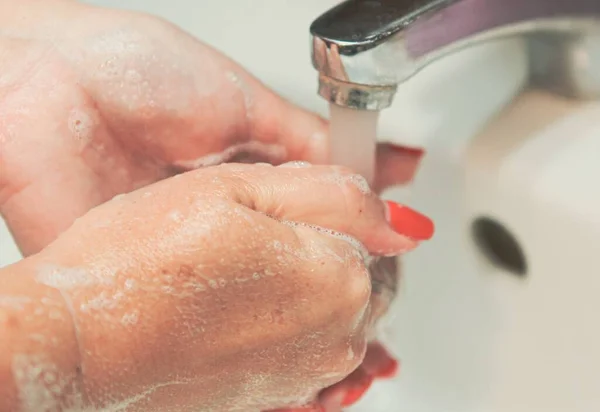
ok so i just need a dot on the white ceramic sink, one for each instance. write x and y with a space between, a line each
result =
472 336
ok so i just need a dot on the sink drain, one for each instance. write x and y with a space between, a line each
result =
499 246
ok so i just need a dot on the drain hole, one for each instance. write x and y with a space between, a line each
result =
499 246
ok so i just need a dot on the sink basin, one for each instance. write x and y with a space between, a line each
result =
499 312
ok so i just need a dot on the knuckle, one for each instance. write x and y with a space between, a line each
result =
355 205
352 186
248 174
346 260
345 356
358 288
335 268
352 282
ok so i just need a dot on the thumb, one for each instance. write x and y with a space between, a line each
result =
328 197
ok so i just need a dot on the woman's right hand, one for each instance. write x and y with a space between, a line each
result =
230 288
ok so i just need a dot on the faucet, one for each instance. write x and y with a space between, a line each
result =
363 49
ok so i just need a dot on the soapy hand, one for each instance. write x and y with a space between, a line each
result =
97 102
231 288
121 100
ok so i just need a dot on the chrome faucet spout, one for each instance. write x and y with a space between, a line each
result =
363 49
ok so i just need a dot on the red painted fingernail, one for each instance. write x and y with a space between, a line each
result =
409 222
353 395
413 151
388 371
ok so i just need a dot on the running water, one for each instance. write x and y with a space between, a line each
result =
353 135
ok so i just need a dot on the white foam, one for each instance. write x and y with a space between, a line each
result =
127 403
130 318
129 284
274 152
244 89
342 177
14 302
297 164
357 245
254 397
42 387
103 301
63 278
176 216
82 125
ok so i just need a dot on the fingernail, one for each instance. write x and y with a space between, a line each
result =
414 151
388 371
354 394
409 222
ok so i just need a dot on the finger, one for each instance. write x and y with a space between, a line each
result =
186 104
384 279
346 392
396 165
333 198
376 364
379 362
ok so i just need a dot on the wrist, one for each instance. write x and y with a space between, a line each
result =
22 55
39 354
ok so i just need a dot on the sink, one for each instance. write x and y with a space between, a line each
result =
498 312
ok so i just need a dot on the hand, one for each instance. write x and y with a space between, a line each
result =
98 102
121 100
378 363
228 288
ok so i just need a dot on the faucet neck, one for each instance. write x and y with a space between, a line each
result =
378 44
